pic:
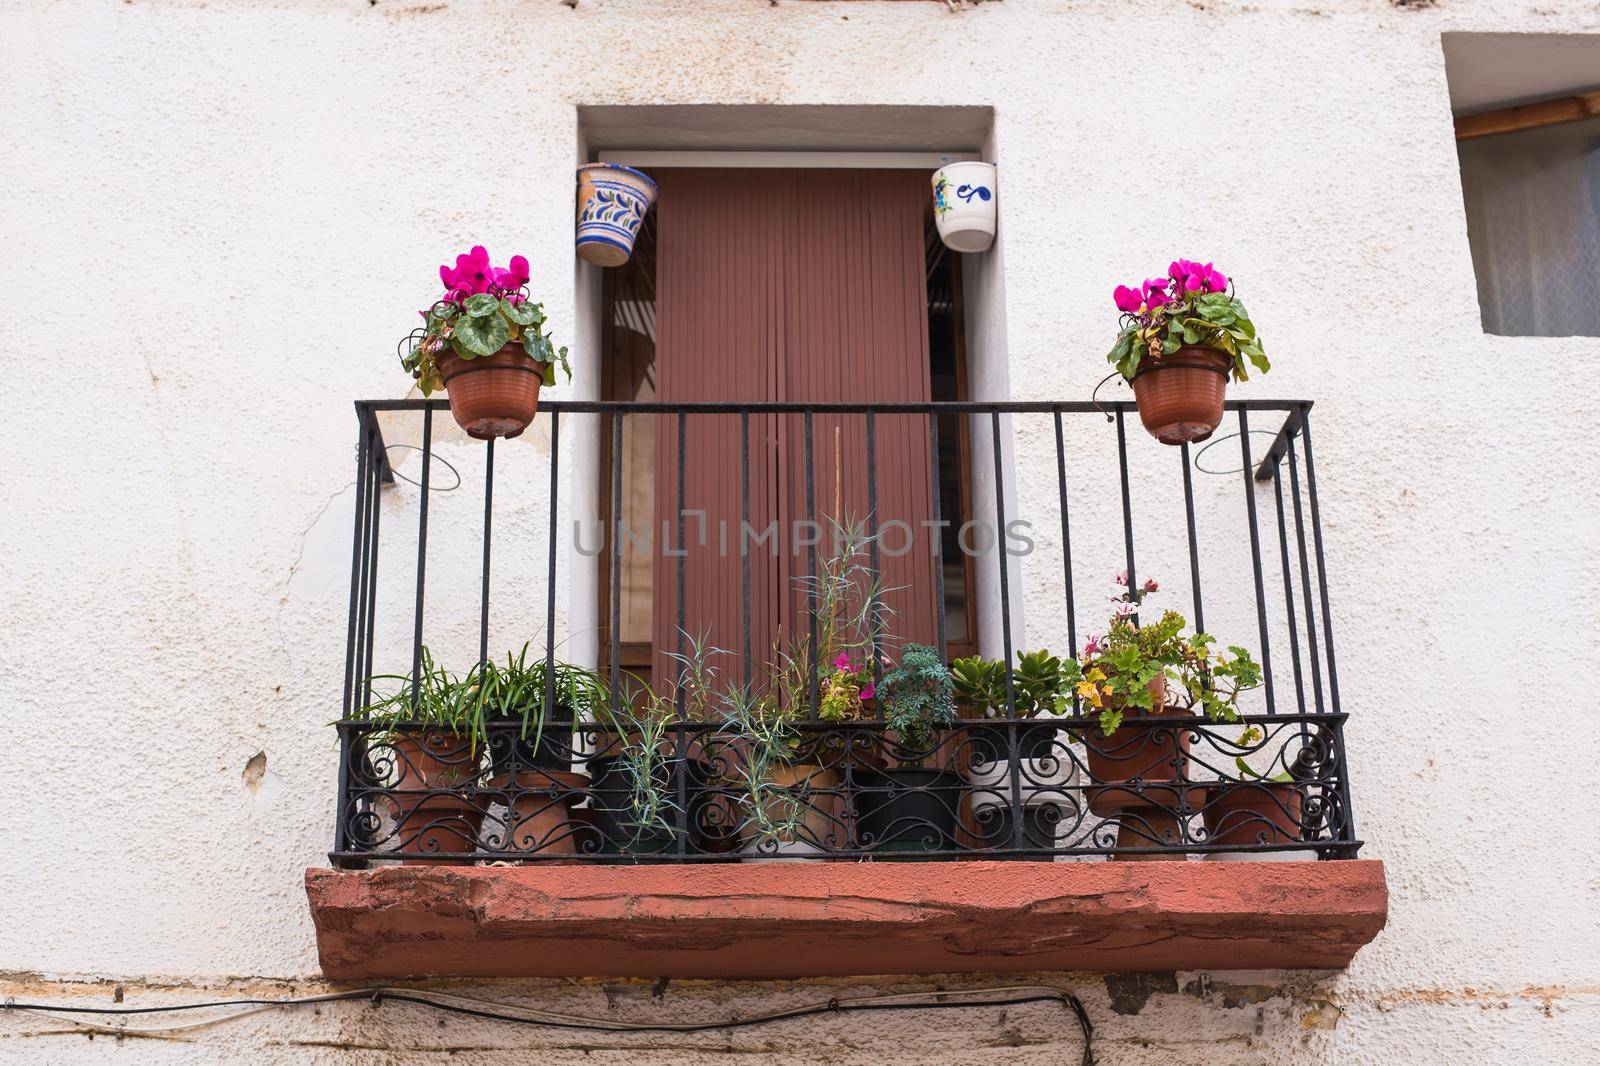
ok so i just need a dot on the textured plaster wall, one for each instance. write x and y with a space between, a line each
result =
214 216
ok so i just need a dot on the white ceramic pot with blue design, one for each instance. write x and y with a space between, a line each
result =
964 201
612 202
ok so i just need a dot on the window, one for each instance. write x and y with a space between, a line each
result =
1528 139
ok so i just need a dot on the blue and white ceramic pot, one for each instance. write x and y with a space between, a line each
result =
612 202
964 203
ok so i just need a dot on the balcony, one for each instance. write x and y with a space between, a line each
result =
654 822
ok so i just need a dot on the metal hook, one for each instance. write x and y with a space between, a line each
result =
1094 397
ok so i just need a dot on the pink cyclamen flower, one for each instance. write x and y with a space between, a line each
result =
473 273
869 690
1093 646
1127 300
1155 292
1121 578
1124 609
1151 585
842 662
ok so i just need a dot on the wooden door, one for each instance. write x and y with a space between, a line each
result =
799 286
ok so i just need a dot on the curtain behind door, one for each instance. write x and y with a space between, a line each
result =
799 286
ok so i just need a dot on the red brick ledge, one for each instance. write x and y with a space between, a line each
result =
836 919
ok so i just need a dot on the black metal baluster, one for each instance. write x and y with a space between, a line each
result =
488 522
1013 747
358 552
1288 593
744 517
1322 570
1305 580
550 567
422 559
813 682
375 499
681 746
615 534
1194 542
872 545
1255 557
938 535
1066 545
1127 508
341 841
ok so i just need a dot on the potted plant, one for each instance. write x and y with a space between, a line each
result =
845 599
1155 672
1255 808
425 752
634 796
531 748
780 802
910 807
1044 770
612 202
1182 337
964 205
1145 683
484 342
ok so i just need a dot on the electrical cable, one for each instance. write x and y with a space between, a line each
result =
492 1011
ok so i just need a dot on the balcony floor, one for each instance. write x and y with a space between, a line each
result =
818 919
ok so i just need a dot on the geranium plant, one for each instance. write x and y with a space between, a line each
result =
1192 306
484 308
1115 672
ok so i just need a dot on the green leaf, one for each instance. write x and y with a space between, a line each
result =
481 335
524 313
566 368
1120 350
1171 346
481 305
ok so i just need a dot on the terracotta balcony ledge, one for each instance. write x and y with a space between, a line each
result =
835 919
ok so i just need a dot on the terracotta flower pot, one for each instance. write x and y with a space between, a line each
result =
540 819
1141 751
819 826
612 202
433 824
1180 396
1252 812
492 395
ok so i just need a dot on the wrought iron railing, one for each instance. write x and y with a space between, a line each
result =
590 785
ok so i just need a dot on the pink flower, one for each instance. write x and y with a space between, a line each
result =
1155 292
1121 578
1197 277
842 662
1124 610
1151 585
473 272
869 690
1127 300
1093 646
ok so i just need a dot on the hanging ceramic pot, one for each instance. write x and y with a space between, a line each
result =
964 205
612 202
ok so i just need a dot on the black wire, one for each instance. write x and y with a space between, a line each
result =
833 1006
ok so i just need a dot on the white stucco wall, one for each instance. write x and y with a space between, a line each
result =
216 218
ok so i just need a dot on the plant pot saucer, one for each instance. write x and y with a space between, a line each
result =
1108 801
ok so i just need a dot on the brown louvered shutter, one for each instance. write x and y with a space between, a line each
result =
801 286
